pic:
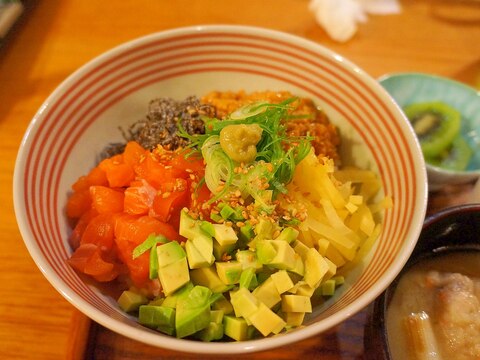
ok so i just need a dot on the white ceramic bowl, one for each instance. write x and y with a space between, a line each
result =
83 113
409 88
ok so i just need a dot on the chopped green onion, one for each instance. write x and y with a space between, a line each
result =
151 241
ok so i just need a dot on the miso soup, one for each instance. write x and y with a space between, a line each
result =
435 309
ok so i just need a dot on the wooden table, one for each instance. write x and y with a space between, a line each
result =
57 37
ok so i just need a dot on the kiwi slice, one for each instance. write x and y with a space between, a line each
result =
436 125
455 157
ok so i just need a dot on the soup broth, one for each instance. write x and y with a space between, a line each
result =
435 310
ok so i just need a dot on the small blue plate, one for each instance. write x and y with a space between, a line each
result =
409 88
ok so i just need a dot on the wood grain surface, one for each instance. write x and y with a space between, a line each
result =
56 37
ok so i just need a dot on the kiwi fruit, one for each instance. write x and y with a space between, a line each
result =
456 157
436 125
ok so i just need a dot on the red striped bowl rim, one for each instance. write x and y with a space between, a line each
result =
58 139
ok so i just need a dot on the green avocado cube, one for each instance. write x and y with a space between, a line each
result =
169 253
285 257
248 259
328 288
225 235
204 245
229 271
193 311
194 257
246 232
130 301
248 279
267 293
236 328
156 316
266 321
174 275
288 234
171 300
223 305
219 251
209 278
188 227
244 302
265 251
212 332
265 229
208 228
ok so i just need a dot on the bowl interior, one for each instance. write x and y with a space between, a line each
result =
83 115
409 88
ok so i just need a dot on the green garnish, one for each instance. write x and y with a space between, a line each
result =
281 152
151 241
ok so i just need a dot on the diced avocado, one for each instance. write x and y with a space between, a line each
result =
219 251
171 300
248 279
224 305
248 259
282 281
288 234
193 311
225 235
216 316
235 328
204 245
194 257
265 229
207 227
130 301
188 227
209 278
157 316
339 280
212 332
315 268
328 288
244 303
294 318
174 275
264 274
229 271
226 211
296 303
157 301
265 251
246 232
267 293
169 253
266 321
216 218
285 255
